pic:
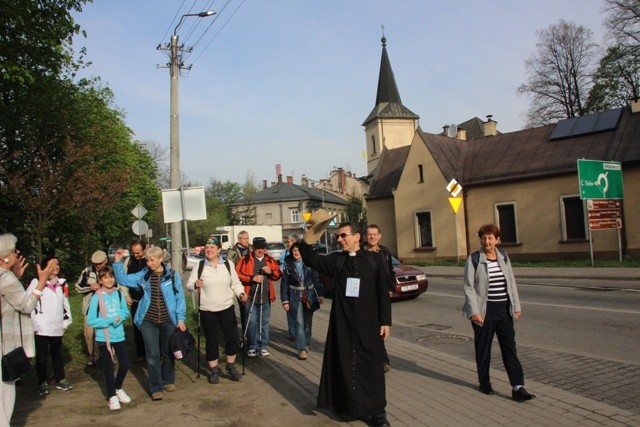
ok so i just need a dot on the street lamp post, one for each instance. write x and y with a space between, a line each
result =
174 135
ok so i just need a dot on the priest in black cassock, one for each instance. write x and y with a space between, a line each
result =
352 383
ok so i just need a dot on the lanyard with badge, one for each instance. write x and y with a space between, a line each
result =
353 283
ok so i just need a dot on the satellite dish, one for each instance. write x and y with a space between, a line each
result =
452 131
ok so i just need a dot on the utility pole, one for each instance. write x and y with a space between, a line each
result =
175 65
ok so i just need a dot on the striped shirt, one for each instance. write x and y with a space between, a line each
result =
157 312
497 283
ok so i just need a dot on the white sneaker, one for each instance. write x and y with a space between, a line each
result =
252 353
122 396
114 403
264 352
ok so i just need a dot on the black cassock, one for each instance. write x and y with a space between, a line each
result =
352 380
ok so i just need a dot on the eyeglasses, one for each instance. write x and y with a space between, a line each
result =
343 235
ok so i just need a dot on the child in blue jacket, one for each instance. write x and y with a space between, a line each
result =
107 312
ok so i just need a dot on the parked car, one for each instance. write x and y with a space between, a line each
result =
410 282
276 250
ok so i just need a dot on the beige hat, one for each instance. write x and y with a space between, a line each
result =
98 257
319 221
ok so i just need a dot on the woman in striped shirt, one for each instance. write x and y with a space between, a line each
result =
492 304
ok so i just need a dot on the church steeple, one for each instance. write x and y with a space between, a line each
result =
390 124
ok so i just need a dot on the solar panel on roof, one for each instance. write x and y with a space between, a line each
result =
584 125
562 129
608 120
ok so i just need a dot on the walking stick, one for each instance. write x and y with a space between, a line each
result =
198 299
244 335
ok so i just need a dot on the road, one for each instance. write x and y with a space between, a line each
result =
580 336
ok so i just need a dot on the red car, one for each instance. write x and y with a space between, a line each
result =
410 282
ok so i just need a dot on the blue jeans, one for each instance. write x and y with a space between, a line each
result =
258 327
303 327
159 359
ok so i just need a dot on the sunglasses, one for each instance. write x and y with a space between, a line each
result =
343 235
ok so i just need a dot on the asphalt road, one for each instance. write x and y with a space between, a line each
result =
582 335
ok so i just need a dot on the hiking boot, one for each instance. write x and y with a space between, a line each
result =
122 396
157 395
214 378
114 403
170 387
233 374
303 355
43 390
64 385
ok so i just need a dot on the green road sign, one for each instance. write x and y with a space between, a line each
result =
600 180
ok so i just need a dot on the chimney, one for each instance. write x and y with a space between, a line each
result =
289 179
279 178
341 180
304 181
445 130
635 105
490 127
462 134
264 184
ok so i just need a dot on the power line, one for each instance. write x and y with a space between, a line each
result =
220 30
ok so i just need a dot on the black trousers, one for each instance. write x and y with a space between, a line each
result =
46 346
211 322
122 353
483 338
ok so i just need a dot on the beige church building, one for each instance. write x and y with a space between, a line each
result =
524 181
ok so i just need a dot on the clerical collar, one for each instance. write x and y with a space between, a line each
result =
351 253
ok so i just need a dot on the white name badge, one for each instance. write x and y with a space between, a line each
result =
353 287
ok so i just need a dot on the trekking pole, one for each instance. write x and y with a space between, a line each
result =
244 335
198 299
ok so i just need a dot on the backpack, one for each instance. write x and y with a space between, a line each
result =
475 257
201 267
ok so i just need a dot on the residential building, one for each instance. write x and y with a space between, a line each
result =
524 181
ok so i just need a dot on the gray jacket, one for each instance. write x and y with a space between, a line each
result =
476 286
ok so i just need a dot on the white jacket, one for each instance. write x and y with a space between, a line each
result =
52 315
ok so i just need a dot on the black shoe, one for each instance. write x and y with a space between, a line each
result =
380 421
521 395
486 388
214 378
233 374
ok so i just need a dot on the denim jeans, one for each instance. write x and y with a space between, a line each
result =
303 327
160 362
258 328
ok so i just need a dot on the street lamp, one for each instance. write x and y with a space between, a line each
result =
174 134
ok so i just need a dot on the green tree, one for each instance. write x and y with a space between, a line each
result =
617 80
354 210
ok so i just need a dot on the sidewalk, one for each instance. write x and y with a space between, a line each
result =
430 388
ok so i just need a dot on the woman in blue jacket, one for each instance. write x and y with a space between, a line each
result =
298 280
161 310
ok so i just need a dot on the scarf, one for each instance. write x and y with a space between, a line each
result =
103 312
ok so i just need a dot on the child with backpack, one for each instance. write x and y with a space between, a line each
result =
107 312
50 318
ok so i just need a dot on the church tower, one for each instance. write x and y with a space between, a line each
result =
390 124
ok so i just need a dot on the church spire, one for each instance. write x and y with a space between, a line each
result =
388 102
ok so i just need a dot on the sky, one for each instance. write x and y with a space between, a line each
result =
290 82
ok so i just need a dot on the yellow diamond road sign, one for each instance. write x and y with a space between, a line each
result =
454 188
